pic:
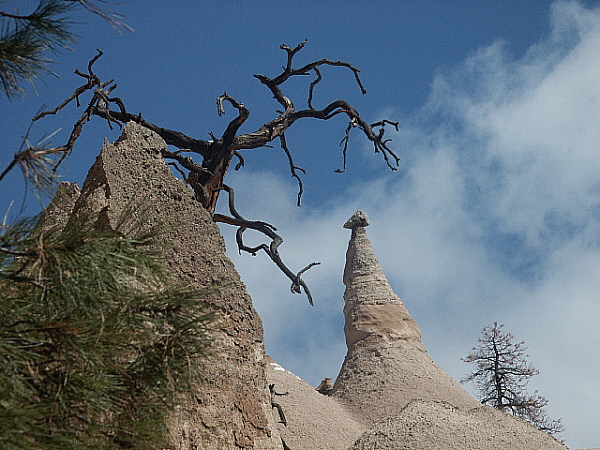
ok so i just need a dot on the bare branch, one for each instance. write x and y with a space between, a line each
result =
312 87
206 178
342 107
353 123
271 250
240 162
171 137
196 175
291 53
218 152
288 71
235 124
274 404
100 100
176 167
293 167
92 79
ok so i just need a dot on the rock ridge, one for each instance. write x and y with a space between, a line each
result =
130 185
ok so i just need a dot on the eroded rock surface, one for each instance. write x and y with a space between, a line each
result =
58 212
387 364
429 425
313 420
130 185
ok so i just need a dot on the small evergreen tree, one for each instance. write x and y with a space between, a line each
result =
501 375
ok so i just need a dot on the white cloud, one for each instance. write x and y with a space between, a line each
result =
495 217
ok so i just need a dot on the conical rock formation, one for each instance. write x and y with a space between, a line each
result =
387 364
373 311
130 183
388 384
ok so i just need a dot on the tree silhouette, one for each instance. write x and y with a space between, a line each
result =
501 375
206 177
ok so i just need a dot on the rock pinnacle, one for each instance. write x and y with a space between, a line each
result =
387 364
372 308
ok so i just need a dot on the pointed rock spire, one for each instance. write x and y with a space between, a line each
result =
373 311
387 364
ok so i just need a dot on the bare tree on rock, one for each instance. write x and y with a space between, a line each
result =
216 154
501 375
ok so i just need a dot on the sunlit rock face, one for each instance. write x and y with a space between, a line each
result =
387 364
312 420
131 186
373 311
424 425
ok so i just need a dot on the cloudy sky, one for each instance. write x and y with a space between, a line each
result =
493 215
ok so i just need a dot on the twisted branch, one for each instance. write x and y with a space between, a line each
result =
100 100
293 167
206 178
276 405
271 250
218 152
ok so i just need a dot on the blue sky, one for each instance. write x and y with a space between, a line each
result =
494 214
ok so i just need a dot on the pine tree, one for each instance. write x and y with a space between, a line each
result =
25 39
96 341
501 375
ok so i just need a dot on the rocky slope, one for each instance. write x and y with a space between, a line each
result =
389 393
428 425
312 420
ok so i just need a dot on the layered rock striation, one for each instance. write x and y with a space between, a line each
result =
386 365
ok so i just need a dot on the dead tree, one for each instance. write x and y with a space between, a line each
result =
501 375
206 177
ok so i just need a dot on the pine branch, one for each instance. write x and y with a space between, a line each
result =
24 40
95 352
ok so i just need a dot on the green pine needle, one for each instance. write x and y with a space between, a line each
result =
95 345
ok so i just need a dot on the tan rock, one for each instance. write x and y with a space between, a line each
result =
387 364
313 420
130 185
428 425
58 212
325 387
373 311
